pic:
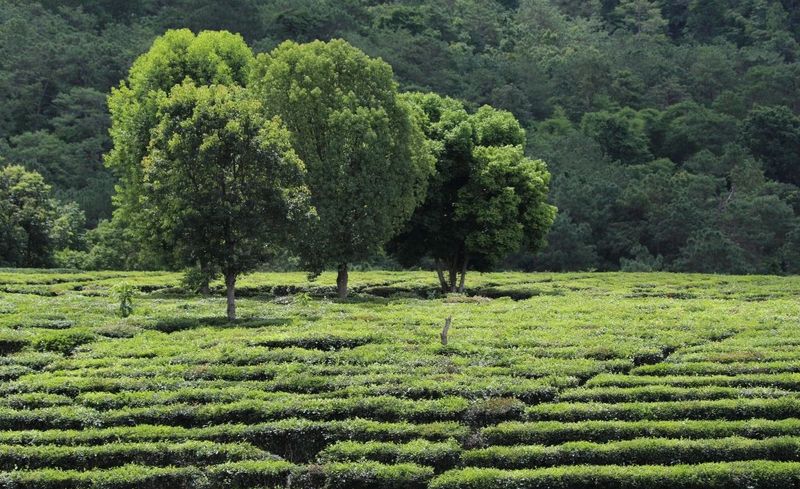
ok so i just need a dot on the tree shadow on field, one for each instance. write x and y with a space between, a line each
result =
171 325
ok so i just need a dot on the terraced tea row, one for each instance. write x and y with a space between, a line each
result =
594 380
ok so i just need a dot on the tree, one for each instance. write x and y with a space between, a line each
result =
791 251
70 156
114 246
206 58
486 198
707 18
68 227
367 160
621 134
569 248
641 17
26 217
710 251
773 136
224 180
687 128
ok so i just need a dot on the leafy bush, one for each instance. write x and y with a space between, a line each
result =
11 341
125 477
494 410
186 453
63 341
250 473
656 393
644 451
555 432
439 455
367 475
721 409
754 475
123 292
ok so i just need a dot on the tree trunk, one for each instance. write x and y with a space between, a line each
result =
453 276
205 289
440 274
341 281
463 275
230 285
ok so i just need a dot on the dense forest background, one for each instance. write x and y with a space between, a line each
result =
671 128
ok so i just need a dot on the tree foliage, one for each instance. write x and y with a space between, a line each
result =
486 198
367 160
773 136
223 180
177 56
32 223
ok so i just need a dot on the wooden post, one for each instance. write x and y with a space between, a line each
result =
446 329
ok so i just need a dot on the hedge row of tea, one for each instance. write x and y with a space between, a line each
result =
547 380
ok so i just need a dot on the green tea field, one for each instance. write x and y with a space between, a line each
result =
562 381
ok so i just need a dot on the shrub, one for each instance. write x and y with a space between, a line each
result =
12 341
439 455
63 342
494 410
125 477
655 393
789 381
366 475
249 473
123 293
555 432
720 409
753 475
115 454
715 368
643 451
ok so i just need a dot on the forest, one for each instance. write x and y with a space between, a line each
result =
671 129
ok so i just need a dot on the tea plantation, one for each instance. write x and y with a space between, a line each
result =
547 381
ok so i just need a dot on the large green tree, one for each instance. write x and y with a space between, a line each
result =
486 198
206 58
621 134
33 224
368 161
26 215
773 135
224 182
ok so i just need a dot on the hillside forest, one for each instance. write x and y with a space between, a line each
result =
671 129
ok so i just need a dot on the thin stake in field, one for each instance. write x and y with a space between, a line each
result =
446 329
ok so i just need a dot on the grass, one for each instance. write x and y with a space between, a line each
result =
548 380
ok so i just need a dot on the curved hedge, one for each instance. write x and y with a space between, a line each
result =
641 451
731 409
750 475
439 455
555 432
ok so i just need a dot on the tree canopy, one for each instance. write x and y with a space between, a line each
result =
367 159
32 223
486 199
178 55
224 181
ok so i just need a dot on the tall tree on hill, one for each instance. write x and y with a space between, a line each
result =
223 180
368 162
773 135
178 55
641 17
32 223
486 198
26 214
